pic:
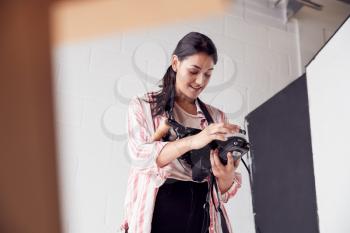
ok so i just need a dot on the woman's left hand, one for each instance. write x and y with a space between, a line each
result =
224 173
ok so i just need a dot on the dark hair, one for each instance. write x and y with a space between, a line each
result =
190 44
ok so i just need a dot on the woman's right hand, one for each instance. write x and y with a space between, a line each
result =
214 131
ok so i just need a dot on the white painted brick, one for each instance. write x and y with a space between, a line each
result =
282 40
110 62
262 58
130 41
260 89
229 46
225 71
151 59
169 35
280 63
68 165
69 141
279 82
130 85
74 65
294 64
256 4
232 101
235 8
292 25
74 57
260 79
98 87
112 43
93 185
243 76
166 36
212 24
256 98
93 117
245 32
69 108
263 20
117 191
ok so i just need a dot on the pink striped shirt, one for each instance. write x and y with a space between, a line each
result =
146 177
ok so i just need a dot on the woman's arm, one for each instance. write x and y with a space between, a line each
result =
173 150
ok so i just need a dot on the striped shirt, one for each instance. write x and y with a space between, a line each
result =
145 177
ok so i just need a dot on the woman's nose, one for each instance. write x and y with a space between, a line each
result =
200 80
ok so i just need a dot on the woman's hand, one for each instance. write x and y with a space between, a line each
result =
214 131
224 173
161 130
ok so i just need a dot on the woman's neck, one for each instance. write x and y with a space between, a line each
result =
187 104
184 100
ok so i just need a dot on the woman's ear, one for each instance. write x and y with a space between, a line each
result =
174 63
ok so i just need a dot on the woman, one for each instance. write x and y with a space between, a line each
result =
161 194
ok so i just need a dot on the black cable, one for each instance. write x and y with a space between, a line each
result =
246 166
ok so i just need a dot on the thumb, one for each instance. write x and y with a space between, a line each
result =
230 159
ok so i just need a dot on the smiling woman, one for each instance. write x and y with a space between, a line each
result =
162 195
193 74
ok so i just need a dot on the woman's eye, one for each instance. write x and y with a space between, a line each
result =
196 72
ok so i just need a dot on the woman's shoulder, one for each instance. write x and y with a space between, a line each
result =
144 98
142 102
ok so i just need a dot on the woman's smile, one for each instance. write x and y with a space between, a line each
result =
196 89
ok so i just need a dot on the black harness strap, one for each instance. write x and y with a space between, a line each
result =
212 185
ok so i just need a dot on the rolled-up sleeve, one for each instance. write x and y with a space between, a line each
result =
237 181
142 151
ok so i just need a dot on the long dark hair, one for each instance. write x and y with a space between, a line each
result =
190 44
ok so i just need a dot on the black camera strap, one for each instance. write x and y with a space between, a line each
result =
205 111
212 185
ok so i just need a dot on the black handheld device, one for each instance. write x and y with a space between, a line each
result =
199 159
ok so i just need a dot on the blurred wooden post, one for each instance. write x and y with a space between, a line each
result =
28 173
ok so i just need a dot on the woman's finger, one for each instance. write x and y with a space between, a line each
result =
220 136
219 130
230 161
232 127
224 128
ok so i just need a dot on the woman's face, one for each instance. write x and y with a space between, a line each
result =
192 74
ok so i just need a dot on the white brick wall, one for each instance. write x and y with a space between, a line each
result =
95 79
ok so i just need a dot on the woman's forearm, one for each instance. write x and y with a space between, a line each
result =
173 150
